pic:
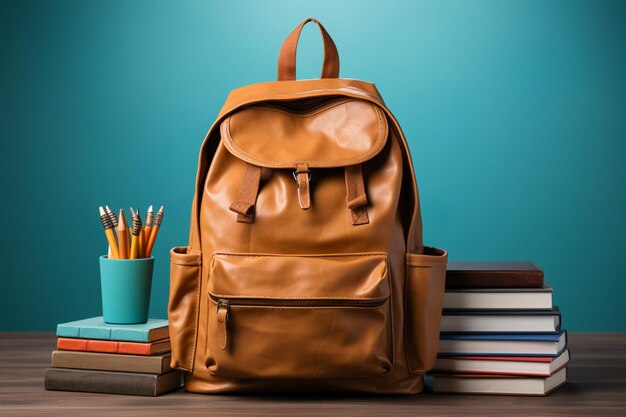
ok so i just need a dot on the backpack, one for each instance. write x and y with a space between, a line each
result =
305 269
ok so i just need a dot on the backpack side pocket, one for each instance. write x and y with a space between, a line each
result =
182 311
425 285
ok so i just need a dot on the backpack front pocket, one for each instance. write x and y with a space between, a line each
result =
299 316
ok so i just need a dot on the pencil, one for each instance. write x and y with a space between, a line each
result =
154 232
135 232
122 236
147 230
113 218
141 244
108 231
111 215
140 241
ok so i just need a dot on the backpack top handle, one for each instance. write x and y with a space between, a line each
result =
287 56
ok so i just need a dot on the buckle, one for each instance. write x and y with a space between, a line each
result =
295 176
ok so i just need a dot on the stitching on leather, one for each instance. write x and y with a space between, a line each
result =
197 252
426 263
359 216
384 276
313 256
178 258
197 318
390 324
408 334
183 263
428 260
296 298
376 148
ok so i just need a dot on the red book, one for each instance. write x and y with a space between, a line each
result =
112 346
503 365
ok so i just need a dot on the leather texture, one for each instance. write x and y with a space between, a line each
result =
340 133
287 56
305 269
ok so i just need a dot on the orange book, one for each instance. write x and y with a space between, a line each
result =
112 346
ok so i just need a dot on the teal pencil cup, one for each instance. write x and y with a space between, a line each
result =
126 285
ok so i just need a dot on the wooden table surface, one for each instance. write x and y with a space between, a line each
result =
596 387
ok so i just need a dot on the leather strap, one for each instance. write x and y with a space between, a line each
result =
303 177
245 204
356 197
287 56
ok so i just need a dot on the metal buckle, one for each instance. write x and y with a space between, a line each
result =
295 176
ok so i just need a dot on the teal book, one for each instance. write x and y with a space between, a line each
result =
96 328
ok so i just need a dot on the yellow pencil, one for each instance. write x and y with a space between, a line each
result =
111 215
141 245
122 235
108 231
113 219
135 233
154 232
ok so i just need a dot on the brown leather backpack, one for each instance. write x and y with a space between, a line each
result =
305 268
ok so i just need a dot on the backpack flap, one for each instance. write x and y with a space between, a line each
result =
339 132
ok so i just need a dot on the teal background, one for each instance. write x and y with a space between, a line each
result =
515 112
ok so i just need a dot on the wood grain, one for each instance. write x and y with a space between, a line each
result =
597 386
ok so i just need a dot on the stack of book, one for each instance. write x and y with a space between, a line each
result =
500 333
94 356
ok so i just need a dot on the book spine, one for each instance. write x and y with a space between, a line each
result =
494 279
71 344
134 348
108 382
131 335
85 332
63 330
111 362
104 346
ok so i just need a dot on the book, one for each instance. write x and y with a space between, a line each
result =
493 275
156 364
506 365
504 321
494 384
129 383
111 346
495 344
96 328
499 298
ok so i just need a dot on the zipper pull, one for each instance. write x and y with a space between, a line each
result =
223 307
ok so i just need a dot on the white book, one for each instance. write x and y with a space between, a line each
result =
537 321
494 384
499 298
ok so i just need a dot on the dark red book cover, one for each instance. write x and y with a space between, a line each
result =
493 275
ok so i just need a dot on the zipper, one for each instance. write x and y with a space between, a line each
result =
223 307
222 310
286 302
308 111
